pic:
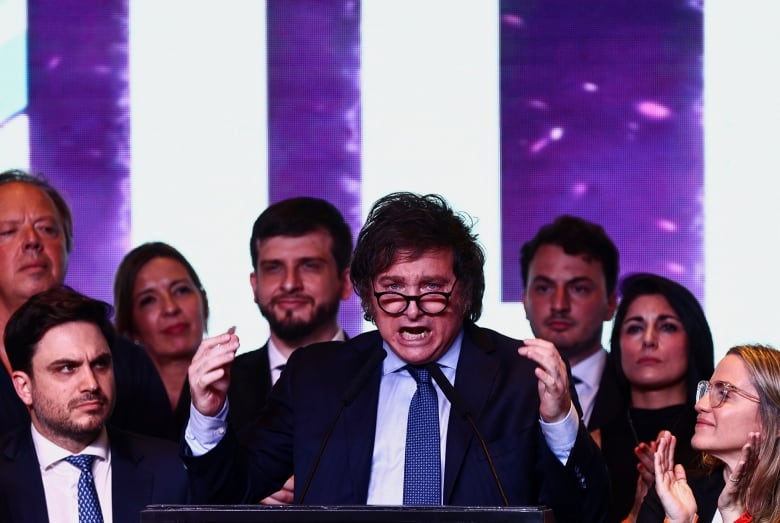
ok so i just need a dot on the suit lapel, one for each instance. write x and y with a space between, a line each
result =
131 484
476 371
360 417
26 498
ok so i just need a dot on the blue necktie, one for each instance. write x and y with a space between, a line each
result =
422 467
89 504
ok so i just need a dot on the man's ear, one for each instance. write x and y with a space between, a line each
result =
346 284
23 386
525 305
253 283
611 306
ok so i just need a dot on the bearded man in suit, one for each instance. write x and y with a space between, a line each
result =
58 344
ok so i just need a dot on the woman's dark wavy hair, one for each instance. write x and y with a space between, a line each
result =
405 221
700 345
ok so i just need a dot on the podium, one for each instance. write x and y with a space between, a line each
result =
346 514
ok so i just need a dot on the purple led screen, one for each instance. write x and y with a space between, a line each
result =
80 127
314 109
601 117
80 119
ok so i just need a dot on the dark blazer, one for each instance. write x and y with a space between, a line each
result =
144 471
250 383
610 402
13 413
496 384
706 489
142 404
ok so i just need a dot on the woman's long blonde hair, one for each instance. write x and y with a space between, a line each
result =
760 489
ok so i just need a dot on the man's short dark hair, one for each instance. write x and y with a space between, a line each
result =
17 175
46 310
575 236
299 216
405 221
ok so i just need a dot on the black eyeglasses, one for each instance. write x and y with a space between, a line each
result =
719 391
429 302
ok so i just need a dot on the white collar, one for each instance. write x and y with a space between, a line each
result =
276 358
49 454
590 369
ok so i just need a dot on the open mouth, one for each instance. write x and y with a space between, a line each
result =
414 333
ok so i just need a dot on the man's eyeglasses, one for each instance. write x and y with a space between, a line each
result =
428 302
719 391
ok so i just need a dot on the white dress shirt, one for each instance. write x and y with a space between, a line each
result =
589 372
61 479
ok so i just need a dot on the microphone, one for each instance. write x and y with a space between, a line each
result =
460 407
351 392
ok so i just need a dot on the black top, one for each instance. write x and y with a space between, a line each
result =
619 438
13 413
706 486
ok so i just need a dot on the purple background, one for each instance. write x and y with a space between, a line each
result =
601 106
80 127
314 110
619 84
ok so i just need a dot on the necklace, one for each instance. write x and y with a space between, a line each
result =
657 419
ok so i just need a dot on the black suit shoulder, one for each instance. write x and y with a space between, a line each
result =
141 400
21 487
13 413
250 384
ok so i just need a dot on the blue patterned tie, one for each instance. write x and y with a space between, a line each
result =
422 468
89 504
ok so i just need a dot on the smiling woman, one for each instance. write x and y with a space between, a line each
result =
161 305
738 422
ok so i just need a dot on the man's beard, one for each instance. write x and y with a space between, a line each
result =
292 329
57 421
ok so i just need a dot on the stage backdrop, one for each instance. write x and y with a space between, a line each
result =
180 122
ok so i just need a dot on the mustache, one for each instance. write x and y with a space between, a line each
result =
89 397
558 316
288 295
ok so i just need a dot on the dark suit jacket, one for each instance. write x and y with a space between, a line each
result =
706 489
497 385
250 384
13 413
142 404
144 471
610 402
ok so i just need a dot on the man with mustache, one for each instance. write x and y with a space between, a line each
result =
569 272
67 463
300 249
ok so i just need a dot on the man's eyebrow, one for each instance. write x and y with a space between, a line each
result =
580 279
65 361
